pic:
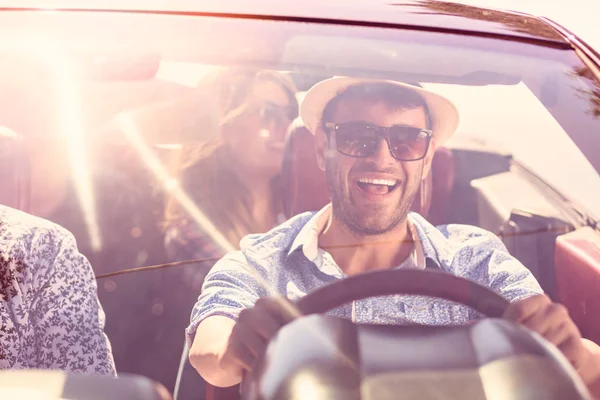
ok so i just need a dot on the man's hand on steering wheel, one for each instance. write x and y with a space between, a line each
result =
553 323
255 327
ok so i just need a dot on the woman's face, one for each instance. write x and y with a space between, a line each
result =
257 135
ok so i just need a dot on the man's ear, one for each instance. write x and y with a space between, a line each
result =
321 146
428 159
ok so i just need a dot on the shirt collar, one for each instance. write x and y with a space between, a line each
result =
308 237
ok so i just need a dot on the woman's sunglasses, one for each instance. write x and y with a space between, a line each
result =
270 114
359 139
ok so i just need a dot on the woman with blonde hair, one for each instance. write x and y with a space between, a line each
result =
232 178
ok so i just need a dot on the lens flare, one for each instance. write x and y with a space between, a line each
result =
67 87
168 183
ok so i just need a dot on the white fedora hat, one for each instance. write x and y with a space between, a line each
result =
444 115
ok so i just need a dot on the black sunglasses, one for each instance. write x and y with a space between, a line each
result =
360 139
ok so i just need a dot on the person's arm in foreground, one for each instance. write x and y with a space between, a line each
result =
223 349
67 316
552 322
230 324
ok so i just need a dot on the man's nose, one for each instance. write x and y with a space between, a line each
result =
382 155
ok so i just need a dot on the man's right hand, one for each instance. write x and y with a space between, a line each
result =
254 329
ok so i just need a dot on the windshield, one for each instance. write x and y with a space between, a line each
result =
172 141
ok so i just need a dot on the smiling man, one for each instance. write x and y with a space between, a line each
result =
375 141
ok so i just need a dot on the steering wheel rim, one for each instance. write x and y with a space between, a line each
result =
428 283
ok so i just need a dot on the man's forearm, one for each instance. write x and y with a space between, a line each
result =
210 368
209 347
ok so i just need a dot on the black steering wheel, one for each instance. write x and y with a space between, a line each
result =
429 283
347 359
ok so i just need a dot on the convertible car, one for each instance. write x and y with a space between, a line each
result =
102 102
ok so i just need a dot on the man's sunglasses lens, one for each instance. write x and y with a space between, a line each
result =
361 140
356 140
407 143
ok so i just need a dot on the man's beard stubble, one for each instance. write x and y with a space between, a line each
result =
346 212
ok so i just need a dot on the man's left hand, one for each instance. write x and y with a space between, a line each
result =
553 323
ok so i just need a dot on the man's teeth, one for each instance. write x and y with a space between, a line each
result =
386 182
